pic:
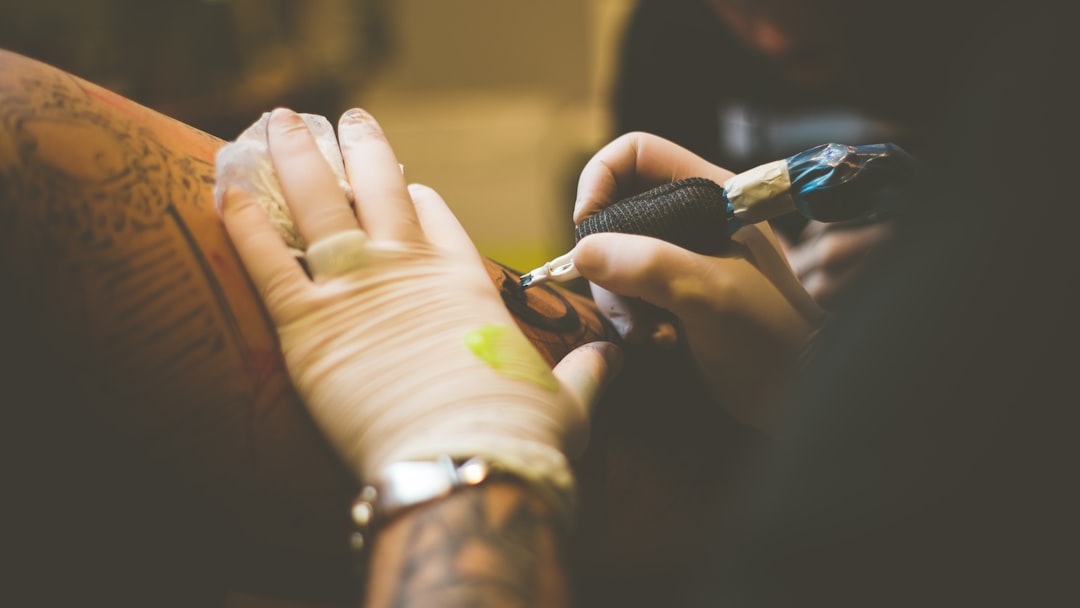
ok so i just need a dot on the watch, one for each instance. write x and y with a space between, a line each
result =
403 485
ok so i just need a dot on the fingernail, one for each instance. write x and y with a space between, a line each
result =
357 125
284 117
355 115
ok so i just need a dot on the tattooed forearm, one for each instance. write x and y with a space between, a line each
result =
99 211
126 281
496 545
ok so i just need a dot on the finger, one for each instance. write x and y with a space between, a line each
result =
813 228
585 372
311 190
635 266
694 287
728 307
785 244
842 248
440 225
382 201
843 257
818 286
827 288
804 259
764 251
588 369
263 253
636 162
636 321
836 249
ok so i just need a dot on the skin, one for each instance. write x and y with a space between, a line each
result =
148 337
491 546
109 230
828 258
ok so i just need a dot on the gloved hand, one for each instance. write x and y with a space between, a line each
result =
399 343
745 317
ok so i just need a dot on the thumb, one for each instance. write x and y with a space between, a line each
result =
587 370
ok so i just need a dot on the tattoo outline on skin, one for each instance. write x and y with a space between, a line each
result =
491 546
104 219
116 253
557 325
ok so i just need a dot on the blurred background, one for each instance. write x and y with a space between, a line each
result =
495 104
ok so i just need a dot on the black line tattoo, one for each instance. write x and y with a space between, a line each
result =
97 226
562 327
473 550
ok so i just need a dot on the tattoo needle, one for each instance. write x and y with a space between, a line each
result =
559 269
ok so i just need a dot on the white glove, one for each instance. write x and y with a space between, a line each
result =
400 344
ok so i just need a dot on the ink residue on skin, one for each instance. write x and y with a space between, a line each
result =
509 353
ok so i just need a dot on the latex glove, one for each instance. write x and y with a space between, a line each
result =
745 317
400 345
827 258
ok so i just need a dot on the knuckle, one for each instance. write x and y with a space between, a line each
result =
277 292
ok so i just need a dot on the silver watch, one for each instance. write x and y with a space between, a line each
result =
403 485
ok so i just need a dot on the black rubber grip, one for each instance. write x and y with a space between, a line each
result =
690 213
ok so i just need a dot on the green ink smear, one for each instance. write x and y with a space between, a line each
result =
510 354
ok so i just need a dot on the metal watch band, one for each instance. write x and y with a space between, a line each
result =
406 484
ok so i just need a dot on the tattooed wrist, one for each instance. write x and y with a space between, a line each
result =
492 545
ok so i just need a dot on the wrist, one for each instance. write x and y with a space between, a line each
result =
522 426
492 544
405 485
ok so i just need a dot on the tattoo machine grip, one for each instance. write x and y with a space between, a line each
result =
691 213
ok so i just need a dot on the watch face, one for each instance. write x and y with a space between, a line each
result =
408 483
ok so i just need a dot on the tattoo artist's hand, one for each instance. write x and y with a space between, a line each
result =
828 257
744 316
398 343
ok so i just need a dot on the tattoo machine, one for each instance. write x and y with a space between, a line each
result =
828 183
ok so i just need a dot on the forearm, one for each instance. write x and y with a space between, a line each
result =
492 545
111 239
